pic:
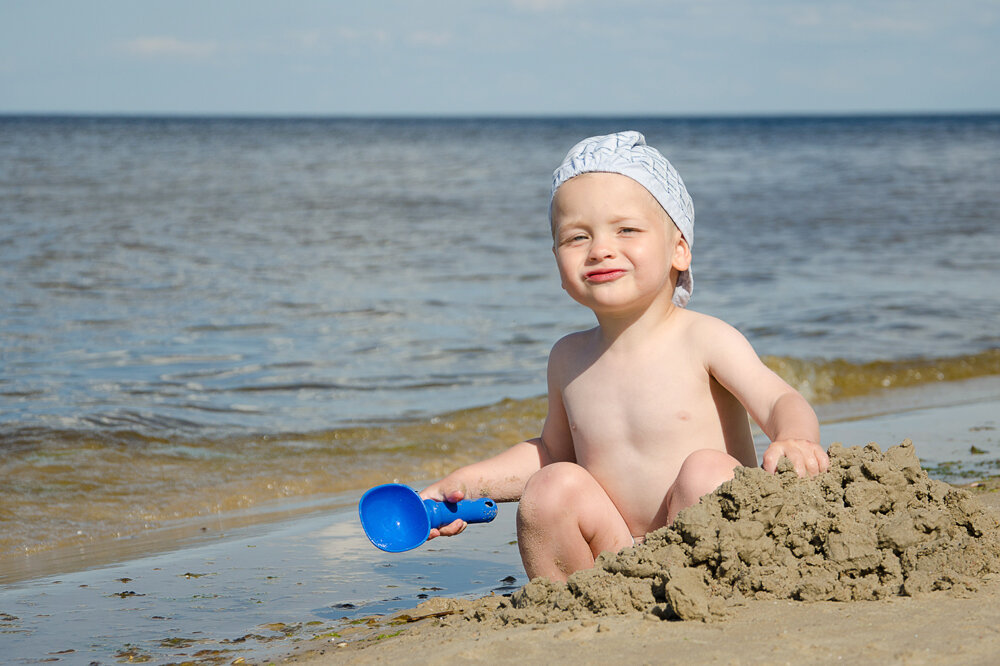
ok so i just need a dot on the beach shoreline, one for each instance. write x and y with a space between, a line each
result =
930 414
282 590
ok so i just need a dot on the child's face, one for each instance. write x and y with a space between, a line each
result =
615 246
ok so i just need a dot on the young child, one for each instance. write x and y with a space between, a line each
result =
647 412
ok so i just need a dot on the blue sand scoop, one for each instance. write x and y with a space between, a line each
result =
396 519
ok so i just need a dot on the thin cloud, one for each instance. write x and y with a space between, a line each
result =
306 39
539 5
170 47
432 39
847 19
892 25
365 36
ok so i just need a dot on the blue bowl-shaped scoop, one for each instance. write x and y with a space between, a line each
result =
395 518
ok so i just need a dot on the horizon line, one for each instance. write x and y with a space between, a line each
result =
210 115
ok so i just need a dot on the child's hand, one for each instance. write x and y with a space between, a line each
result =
436 494
808 458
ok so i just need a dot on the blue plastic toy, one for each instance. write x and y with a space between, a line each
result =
395 518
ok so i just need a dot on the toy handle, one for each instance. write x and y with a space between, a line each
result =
481 510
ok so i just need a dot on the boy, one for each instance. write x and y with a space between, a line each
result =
647 412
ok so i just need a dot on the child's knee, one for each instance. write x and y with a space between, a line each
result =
550 491
557 480
702 472
705 470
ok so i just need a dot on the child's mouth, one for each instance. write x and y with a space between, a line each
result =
605 275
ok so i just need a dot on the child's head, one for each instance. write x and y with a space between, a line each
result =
626 153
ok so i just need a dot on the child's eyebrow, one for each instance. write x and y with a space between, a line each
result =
562 222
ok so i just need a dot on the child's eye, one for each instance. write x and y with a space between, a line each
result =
628 230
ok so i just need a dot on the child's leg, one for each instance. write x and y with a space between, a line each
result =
564 520
702 472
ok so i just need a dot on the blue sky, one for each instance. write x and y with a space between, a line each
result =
473 57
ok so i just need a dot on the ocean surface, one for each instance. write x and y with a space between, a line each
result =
205 318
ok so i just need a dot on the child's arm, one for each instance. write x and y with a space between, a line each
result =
780 411
504 476
501 477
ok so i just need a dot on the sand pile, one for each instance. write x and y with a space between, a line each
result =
873 526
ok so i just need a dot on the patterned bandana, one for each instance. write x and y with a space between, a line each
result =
626 153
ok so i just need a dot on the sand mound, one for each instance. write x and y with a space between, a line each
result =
873 526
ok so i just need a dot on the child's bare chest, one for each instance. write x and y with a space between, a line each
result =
638 401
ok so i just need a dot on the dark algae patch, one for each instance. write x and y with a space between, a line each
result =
873 526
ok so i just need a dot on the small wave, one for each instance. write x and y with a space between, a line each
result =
829 380
129 419
253 327
390 383
296 386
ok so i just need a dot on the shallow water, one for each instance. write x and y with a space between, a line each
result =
256 589
203 316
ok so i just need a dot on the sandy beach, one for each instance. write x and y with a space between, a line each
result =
930 628
934 629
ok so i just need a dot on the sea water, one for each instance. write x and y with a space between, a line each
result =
201 317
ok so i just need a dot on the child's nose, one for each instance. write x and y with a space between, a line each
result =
602 248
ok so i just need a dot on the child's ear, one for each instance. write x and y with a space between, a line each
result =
682 255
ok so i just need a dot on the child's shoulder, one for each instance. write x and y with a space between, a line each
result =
700 323
707 332
716 343
575 342
569 352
